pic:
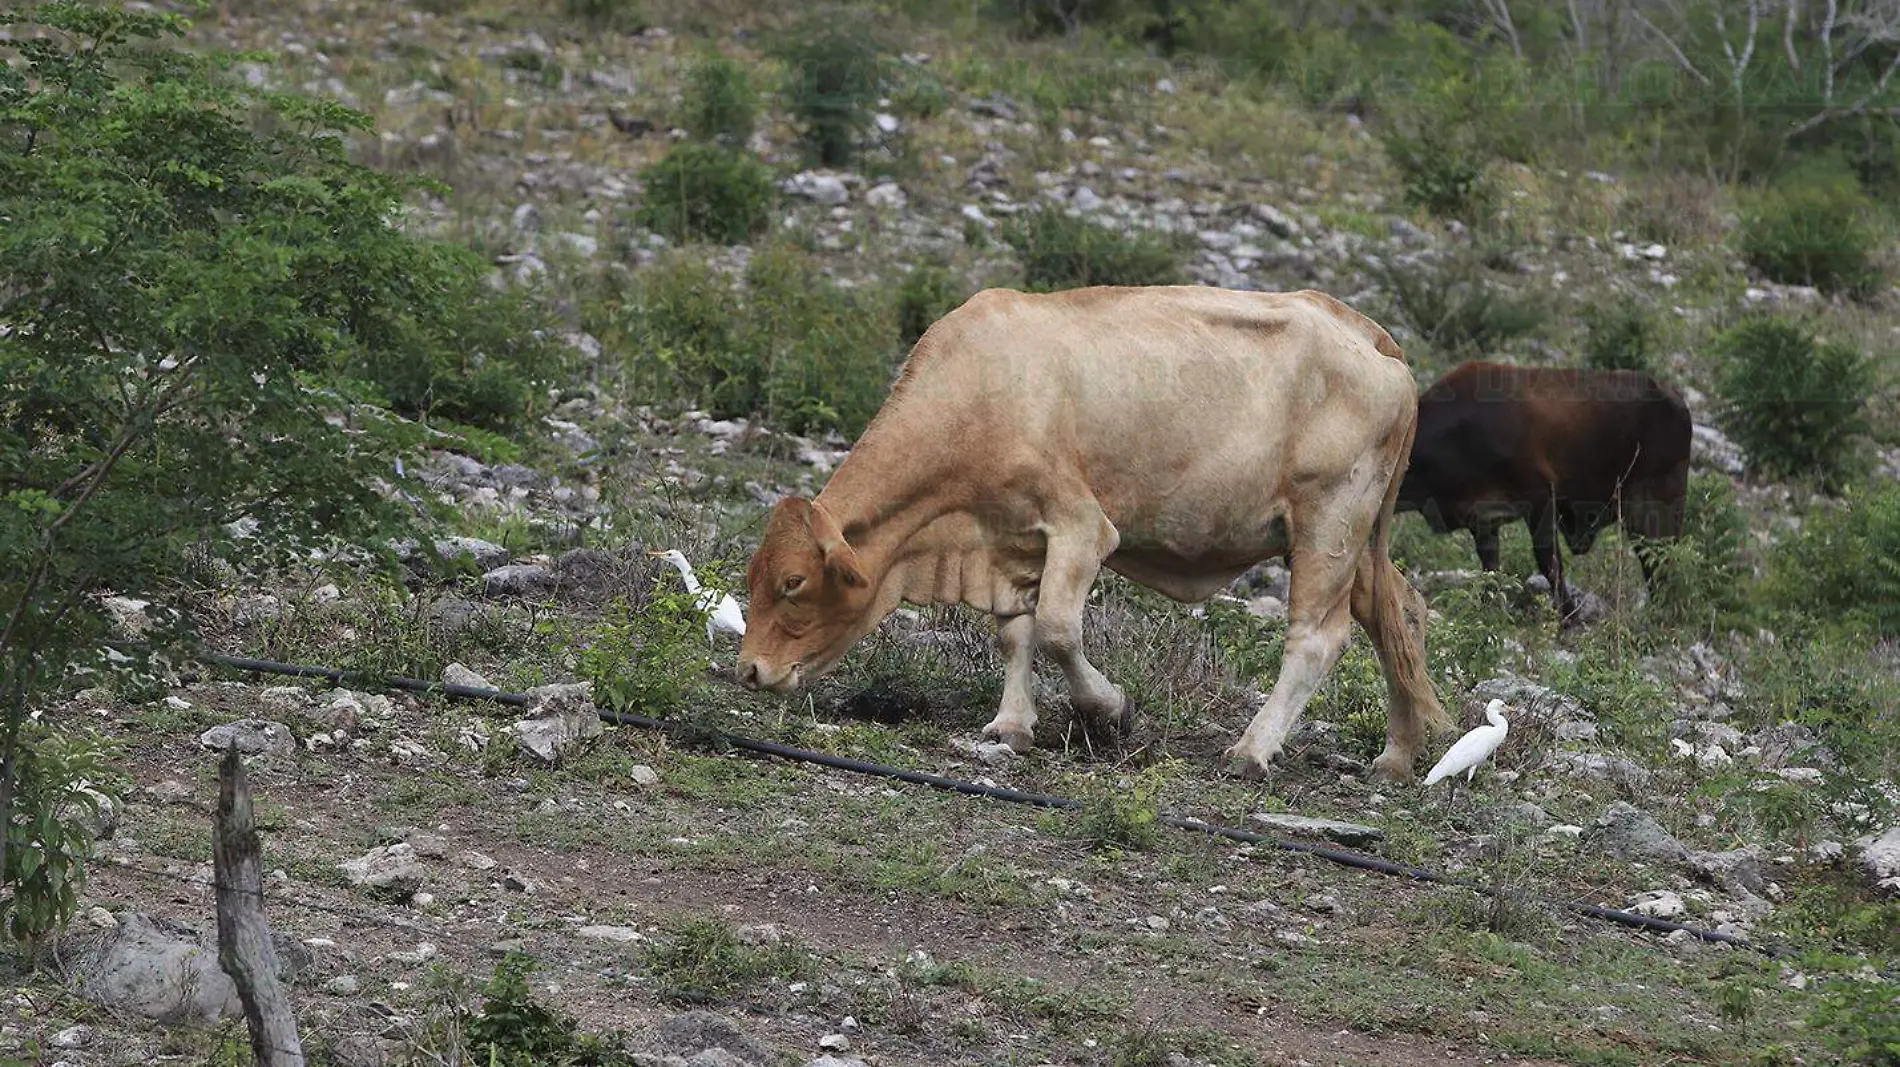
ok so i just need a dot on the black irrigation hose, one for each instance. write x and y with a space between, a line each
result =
954 785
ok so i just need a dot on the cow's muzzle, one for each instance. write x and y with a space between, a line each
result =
755 676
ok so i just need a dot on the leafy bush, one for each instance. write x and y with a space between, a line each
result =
1457 311
1860 1019
721 105
515 1030
1458 112
1466 643
1063 251
1844 564
790 345
708 192
835 71
1119 815
1622 336
61 782
652 659
925 295
1793 402
1699 575
1814 231
201 290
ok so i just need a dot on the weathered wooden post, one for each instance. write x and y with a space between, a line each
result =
244 945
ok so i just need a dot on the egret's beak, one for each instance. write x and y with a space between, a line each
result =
650 552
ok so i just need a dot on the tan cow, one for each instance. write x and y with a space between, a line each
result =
1177 434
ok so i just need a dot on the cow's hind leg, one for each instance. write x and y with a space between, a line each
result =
1015 721
1393 616
1072 560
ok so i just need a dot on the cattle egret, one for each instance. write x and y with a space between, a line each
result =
721 611
1472 749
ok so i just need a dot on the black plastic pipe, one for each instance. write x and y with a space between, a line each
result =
1343 857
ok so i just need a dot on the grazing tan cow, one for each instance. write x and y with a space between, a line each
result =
1176 434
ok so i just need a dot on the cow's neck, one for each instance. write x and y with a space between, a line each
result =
885 493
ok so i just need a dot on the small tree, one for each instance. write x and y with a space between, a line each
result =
835 70
196 311
1792 401
721 105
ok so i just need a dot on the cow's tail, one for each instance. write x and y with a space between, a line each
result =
1398 613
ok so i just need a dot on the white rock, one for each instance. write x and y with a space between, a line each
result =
824 189
619 935
886 195
1880 859
1660 904
456 674
835 1043
394 869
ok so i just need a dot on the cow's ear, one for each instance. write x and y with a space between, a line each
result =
841 560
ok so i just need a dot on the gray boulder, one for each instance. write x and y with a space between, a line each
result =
392 869
155 970
520 579
253 737
560 718
1629 833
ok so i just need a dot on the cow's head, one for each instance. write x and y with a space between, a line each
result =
810 602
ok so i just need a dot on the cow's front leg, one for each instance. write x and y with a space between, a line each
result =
1070 566
1015 722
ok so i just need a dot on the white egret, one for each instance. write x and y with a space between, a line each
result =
1472 749
721 610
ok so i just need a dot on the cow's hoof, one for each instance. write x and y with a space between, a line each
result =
1390 769
1243 765
1018 739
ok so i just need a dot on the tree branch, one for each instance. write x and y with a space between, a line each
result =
1670 44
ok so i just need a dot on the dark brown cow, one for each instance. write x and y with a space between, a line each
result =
1567 451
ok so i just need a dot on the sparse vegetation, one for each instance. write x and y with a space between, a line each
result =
704 960
1844 564
926 294
1457 311
1063 251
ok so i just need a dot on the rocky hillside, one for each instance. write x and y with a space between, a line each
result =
455 881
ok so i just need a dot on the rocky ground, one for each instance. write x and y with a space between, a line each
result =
719 908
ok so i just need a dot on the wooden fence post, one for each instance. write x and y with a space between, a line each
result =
244 945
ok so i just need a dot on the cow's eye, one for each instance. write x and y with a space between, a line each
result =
792 584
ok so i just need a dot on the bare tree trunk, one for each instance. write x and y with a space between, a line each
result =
244 945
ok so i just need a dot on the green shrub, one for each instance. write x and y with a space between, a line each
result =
825 353
1466 643
835 71
721 105
1063 251
1814 232
791 345
708 192
704 961
1119 815
921 94
1456 112
515 1030
1793 402
1844 564
1699 576
1860 1019
1621 336
61 780
1457 311
926 294
202 291
651 660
